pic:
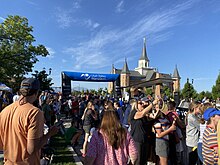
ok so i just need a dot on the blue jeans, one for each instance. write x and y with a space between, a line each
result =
199 150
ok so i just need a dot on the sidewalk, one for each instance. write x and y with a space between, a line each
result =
76 154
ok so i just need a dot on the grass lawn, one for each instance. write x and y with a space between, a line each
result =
62 155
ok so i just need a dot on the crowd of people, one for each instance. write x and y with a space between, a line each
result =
141 130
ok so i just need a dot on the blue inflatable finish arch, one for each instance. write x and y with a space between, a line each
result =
84 76
95 77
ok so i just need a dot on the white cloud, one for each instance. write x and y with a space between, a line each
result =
51 53
32 3
64 61
120 7
96 51
64 18
1 18
90 24
76 4
153 25
95 25
203 78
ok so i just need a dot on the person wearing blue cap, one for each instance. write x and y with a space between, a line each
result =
210 144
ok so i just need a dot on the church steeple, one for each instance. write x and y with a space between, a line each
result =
144 52
144 61
176 73
113 69
125 75
125 67
176 82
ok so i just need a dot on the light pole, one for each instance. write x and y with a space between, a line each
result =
50 70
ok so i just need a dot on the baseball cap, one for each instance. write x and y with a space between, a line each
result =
210 112
30 83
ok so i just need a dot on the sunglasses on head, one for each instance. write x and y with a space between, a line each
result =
140 103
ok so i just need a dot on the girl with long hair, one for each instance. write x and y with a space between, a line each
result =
139 128
89 118
192 131
162 128
111 144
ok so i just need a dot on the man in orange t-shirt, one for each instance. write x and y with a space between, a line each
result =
21 128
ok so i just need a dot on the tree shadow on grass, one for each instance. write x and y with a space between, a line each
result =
62 153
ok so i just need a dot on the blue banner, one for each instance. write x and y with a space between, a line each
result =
84 76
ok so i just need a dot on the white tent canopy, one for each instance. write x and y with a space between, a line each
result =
4 87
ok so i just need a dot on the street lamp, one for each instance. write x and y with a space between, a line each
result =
50 69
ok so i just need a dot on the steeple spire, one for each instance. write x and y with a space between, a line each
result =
176 73
144 52
113 68
125 67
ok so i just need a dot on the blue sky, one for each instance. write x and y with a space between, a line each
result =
91 35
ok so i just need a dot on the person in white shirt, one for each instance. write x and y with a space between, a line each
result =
16 97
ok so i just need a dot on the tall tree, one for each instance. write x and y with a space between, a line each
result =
208 95
17 52
188 91
93 91
201 95
105 91
148 91
167 92
100 91
45 80
216 88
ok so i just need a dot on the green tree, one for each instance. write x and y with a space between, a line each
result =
216 88
45 80
208 95
148 91
105 91
17 52
201 95
167 91
93 91
100 91
188 91
87 91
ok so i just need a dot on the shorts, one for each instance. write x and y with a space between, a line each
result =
162 148
87 128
